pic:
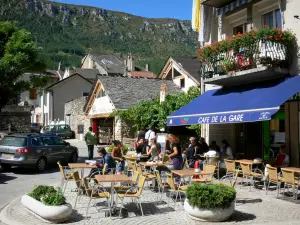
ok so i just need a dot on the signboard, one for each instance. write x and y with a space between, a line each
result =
161 138
222 118
80 129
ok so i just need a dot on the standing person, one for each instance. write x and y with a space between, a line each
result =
176 154
90 140
191 151
117 154
150 134
141 134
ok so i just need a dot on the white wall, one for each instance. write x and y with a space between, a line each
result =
188 83
102 105
67 91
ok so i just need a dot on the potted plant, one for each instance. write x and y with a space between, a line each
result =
48 203
210 202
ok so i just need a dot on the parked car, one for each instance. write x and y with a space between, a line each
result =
35 151
61 130
35 127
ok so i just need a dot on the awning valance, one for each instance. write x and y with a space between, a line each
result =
235 4
256 102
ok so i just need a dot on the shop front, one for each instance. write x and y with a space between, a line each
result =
259 117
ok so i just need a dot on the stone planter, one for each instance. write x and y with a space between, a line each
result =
212 215
54 214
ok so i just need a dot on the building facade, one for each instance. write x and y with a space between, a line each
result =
265 60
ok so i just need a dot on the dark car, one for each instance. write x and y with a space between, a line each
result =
36 127
35 151
61 130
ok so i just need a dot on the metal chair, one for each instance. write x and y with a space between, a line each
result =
273 178
290 181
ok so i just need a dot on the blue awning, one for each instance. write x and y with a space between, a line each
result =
256 102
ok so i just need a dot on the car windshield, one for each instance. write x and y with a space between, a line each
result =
14 141
50 128
61 127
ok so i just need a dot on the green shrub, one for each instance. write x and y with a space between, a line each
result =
48 195
210 196
124 147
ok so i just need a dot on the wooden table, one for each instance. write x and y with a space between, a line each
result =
136 157
81 166
188 173
153 164
114 178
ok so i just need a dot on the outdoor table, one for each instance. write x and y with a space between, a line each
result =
81 166
153 164
136 157
188 173
112 179
293 169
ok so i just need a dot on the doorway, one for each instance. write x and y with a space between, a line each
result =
253 140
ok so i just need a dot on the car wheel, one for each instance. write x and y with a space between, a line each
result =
5 167
41 164
73 158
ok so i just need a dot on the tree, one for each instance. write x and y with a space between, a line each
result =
153 114
18 55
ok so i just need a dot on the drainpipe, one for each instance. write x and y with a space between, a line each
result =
202 90
43 110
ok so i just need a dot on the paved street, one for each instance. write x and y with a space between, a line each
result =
19 181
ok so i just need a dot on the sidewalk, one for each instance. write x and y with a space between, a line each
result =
253 208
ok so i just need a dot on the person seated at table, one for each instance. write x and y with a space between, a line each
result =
106 158
117 154
213 145
226 151
282 160
143 149
203 147
154 150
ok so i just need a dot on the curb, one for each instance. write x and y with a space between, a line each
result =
4 215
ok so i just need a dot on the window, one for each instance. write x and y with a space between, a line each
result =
14 141
32 94
47 141
36 142
85 94
272 19
238 29
182 83
58 141
101 93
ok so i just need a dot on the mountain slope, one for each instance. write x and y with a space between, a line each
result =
67 32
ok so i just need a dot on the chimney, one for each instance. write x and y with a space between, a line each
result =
147 67
59 65
130 63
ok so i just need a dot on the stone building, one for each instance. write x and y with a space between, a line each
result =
75 116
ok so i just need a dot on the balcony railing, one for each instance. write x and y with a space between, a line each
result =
264 48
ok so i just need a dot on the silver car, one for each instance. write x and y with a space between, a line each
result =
35 151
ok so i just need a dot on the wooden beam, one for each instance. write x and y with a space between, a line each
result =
102 115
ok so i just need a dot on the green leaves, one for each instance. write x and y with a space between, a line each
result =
210 196
48 195
152 113
18 54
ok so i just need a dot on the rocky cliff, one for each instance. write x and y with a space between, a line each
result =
67 32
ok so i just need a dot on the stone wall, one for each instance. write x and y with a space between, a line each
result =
75 116
17 117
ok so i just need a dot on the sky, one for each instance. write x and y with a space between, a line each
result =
179 9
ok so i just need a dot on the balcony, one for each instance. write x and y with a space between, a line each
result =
216 3
251 57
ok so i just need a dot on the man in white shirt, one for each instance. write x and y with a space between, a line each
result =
150 134
211 156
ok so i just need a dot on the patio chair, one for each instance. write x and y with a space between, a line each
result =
131 166
161 185
135 178
148 176
95 192
231 170
178 190
248 174
135 193
273 178
206 178
79 186
290 181
66 175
